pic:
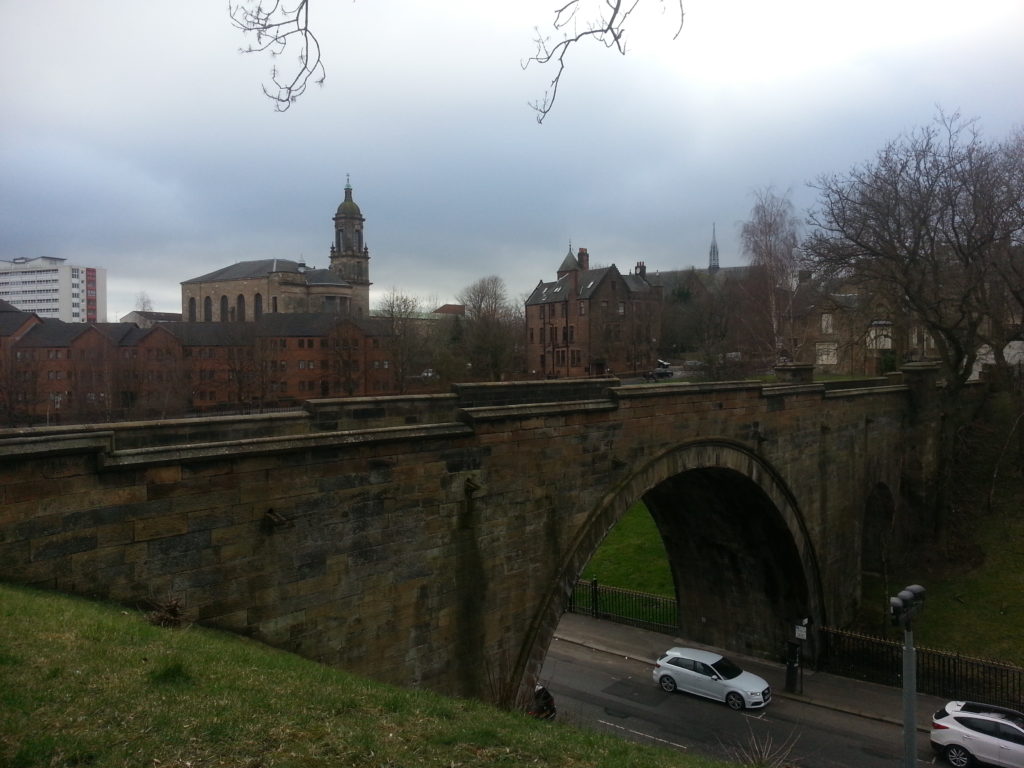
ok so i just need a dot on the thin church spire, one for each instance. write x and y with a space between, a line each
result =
713 252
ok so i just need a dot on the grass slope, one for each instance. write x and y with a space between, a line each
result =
632 556
89 684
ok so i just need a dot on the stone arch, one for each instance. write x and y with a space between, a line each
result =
724 459
192 309
257 306
224 314
240 307
207 310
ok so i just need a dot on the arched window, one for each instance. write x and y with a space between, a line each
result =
207 310
224 309
257 306
273 304
240 308
192 309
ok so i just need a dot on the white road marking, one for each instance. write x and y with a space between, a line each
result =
645 735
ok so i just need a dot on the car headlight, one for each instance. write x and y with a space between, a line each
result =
754 694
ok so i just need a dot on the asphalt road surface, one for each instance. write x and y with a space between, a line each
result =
593 689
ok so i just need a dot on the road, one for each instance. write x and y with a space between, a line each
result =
599 690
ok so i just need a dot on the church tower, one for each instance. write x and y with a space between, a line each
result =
350 258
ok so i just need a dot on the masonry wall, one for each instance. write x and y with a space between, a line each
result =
431 541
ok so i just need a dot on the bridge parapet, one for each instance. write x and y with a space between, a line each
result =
480 394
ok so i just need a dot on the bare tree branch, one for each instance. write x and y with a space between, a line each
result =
607 26
275 25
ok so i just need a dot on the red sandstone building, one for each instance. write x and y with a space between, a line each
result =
52 372
591 322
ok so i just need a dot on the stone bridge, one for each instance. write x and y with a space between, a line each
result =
433 540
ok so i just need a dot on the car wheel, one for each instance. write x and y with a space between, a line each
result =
667 683
958 757
734 700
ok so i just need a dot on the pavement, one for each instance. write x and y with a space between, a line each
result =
820 689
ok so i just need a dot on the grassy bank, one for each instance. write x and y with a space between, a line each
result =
87 684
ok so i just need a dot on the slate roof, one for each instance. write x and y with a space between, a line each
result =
52 333
559 290
156 317
12 319
116 332
245 270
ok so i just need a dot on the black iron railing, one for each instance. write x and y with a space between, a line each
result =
624 606
939 673
863 657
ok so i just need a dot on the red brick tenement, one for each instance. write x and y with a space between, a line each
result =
425 540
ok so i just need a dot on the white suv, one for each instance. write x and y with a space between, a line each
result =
964 731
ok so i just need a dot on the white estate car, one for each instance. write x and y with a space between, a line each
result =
965 731
712 675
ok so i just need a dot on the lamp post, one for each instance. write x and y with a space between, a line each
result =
902 609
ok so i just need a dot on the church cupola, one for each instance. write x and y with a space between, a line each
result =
350 258
348 225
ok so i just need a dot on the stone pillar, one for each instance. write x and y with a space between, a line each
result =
922 380
795 373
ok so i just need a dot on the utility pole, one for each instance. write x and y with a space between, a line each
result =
902 609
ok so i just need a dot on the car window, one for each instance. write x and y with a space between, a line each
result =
682 663
1009 733
727 669
704 669
977 724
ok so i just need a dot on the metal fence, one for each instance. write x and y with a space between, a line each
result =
850 654
940 673
624 606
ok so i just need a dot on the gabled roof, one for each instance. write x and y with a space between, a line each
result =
561 289
13 320
116 332
51 332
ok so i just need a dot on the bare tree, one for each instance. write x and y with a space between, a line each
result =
142 302
770 238
405 334
929 221
926 222
605 21
276 25
493 328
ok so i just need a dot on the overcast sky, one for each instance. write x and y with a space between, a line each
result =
135 137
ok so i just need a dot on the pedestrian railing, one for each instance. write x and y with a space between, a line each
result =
850 654
939 673
624 606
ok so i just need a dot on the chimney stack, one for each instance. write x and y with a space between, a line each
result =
584 259
641 269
